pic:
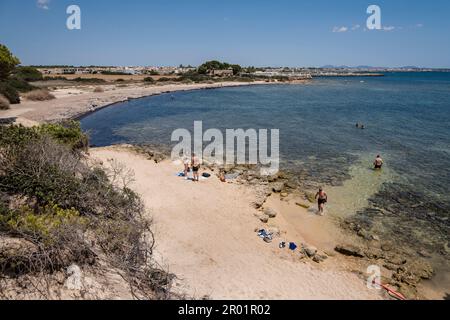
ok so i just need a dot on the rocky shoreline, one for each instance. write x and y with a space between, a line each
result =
401 269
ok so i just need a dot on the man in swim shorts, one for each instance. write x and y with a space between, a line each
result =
378 163
322 198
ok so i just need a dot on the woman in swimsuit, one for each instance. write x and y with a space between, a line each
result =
322 198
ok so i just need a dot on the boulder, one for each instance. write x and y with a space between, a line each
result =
271 213
259 200
278 187
291 185
410 292
303 205
421 268
374 253
387 246
318 258
263 218
397 260
284 194
310 197
349 250
310 251
423 253
274 231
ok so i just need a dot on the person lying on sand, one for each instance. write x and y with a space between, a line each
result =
195 163
378 163
322 198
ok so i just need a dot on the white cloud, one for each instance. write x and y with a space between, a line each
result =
356 27
419 25
340 29
390 28
43 4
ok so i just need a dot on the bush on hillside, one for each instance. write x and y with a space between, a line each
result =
9 92
71 212
4 103
8 62
20 85
28 74
149 80
39 95
88 80
98 90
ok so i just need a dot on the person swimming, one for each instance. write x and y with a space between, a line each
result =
322 199
378 163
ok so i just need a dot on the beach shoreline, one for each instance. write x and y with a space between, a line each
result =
78 101
310 229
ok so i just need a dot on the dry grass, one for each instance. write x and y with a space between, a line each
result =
39 95
4 103
99 90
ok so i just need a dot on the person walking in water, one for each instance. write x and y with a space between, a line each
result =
195 164
322 198
378 163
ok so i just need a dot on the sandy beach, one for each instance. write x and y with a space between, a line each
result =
206 235
206 232
73 102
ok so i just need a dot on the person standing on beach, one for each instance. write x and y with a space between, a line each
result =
186 163
322 198
378 163
195 164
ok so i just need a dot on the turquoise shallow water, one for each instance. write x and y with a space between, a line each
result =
407 119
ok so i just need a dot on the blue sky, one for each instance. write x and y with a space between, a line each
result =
260 33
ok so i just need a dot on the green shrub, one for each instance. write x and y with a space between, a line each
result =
20 84
149 80
42 223
4 103
28 74
7 62
72 209
68 133
88 80
9 92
